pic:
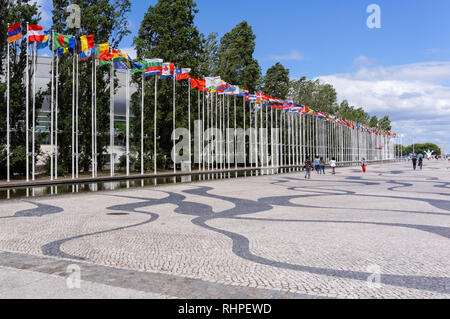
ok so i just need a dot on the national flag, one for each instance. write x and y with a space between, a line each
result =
243 91
182 74
198 83
35 33
85 43
44 43
251 98
14 33
87 54
232 90
103 54
212 82
167 70
63 43
153 67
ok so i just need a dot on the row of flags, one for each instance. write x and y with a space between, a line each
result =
86 48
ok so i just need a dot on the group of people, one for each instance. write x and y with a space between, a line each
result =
319 166
417 160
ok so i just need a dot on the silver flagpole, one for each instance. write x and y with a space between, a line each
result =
155 155
272 153
189 122
200 137
267 137
27 111
56 117
142 122
174 125
203 131
73 115
7 116
92 120
235 137
127 115
76 119
256 136
111 118
95 119
245 133
261 138
33 138
52 150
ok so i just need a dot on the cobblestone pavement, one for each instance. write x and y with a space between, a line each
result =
384 234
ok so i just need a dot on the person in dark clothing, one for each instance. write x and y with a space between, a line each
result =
414 162
308 167
421 163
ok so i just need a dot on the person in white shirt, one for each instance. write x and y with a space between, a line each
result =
333 166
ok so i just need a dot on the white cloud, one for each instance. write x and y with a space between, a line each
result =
364 61
130 51
292 56
45 7
415 96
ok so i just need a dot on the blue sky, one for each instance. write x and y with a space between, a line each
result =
401 69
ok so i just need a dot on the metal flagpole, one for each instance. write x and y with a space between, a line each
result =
33 163
92 120
203 130
73 115
174 126
235 132
142 122
111 119
127 118
52 150
189 122
7 117
56 116
267 137
245 134
76 119
95 120
200 138
155 156
27 111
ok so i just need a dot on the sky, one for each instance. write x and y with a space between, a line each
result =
401 69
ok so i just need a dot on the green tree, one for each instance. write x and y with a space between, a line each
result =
373 122
107 21
11 12
236 64
209 58
384 124
422 148
313 93
276 81
167 32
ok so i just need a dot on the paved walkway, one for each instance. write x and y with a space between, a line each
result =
384 234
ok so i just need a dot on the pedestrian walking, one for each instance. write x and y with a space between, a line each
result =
421 163
308 167
322 165
333 166
363 165
317 164
414 162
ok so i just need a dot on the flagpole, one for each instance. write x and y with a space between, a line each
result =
111 118
200 137
76 118
174 127
73 114
155 155
7 116
92 120
33 163
95 119
52 150
189 122
235 132
245 133
203 131
127 106
142 122
56 117
27 111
